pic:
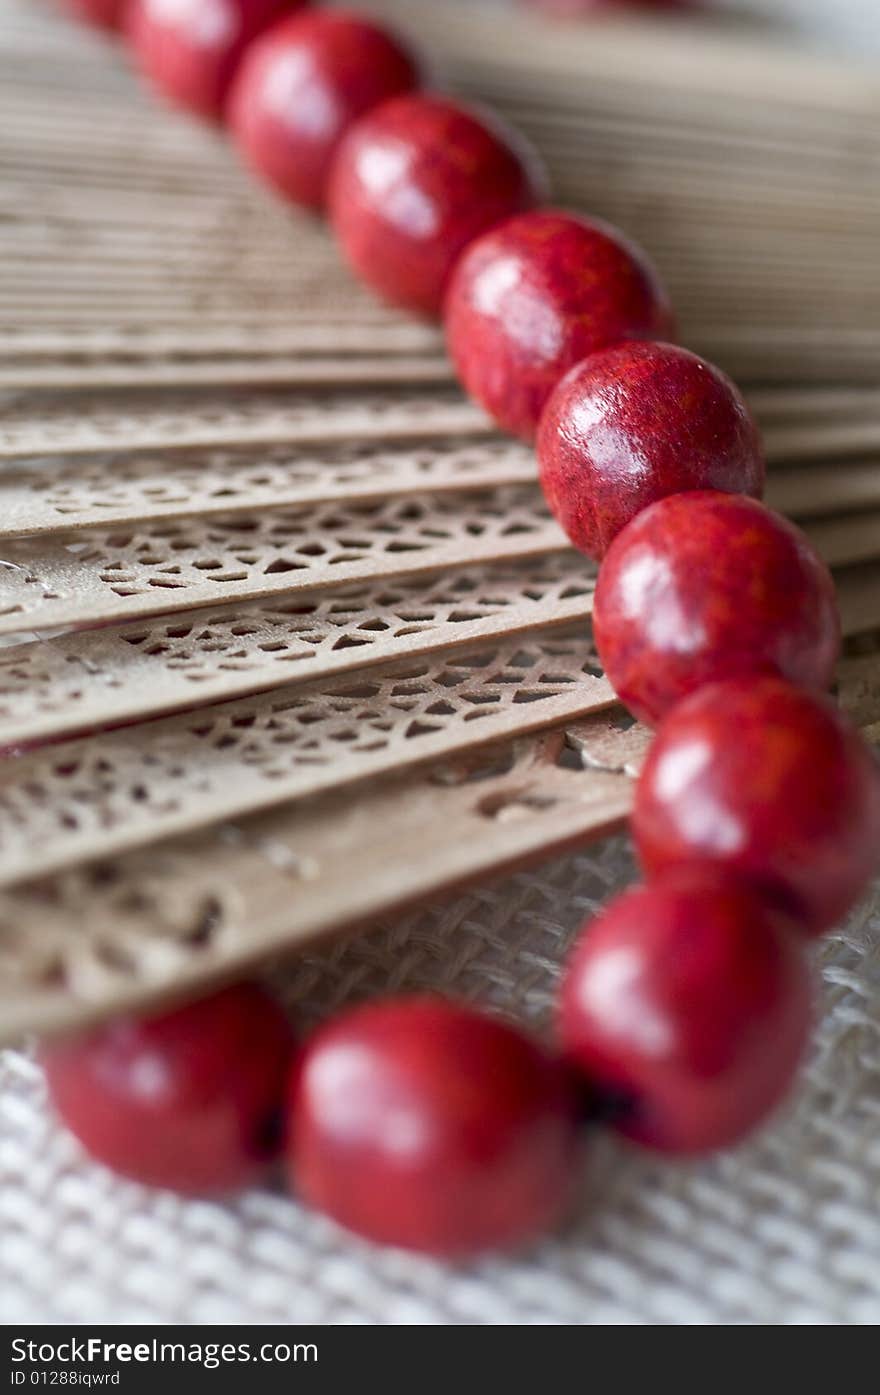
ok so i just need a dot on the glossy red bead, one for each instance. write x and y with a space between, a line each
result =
689 1002
633 424
189 1099
768 781
534 297
414 182
103 14
702 586
426 1125
302 85
190 49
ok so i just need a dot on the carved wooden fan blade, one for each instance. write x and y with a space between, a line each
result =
288 638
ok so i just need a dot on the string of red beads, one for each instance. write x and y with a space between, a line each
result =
190 50
534 297
686 1005
299 89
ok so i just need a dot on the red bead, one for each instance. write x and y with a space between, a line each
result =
702 586
535 296
190 49
302 85
103 14
414 182
633 424
761 778
188 1100
689 1002
423 1124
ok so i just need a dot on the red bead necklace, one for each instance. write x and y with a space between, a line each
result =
686 1005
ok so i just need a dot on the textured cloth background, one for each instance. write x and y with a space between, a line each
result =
786 1230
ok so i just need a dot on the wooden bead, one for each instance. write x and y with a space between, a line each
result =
634 423
769 782
189 50
689 1002
533 297
414 182
299 89
703 586
188 1099
426 1125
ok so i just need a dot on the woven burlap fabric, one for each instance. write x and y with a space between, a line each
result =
785 1230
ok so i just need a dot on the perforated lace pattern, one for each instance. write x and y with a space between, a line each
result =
94 796
110 675
240 497
45 495
153 920
103 577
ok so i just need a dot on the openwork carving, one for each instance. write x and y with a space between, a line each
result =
108 676
116 933
152 921
113 675
87 797
143 421
104 577
178 564
55 495
247 494
105 423
59 494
